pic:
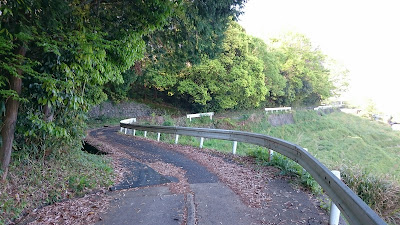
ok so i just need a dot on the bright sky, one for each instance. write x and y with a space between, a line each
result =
362 35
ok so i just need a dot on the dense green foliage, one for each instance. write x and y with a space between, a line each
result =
307 79
72 49
242 73
196 29
234 79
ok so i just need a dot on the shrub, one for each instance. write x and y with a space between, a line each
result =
168 121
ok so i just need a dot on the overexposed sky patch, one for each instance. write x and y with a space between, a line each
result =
362 35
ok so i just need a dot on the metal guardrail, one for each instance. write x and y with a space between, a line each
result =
354 209
130 121
196 115
328 107
284 109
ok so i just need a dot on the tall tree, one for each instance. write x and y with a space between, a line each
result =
233 80
274 80
195 31
302 65
57 54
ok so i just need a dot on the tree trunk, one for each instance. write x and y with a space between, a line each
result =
48 113
10 119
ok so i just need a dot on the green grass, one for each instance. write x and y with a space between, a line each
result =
338 139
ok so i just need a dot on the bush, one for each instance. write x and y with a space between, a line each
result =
168 121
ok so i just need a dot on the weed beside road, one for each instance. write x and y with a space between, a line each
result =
34 182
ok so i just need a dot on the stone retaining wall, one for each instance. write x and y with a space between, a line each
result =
123 109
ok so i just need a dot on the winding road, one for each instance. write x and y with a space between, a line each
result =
174 184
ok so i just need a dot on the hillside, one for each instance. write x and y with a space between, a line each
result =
339 139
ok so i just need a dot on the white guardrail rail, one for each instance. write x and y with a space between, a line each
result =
354 209
279 109
197 115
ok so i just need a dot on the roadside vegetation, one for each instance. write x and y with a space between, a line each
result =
336 138
36 181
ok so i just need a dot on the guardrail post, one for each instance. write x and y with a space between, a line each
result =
234 147
134 132
158 136
335 212
201 142
176 138
145 133
271 153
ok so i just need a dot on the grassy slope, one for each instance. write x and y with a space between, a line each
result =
338 139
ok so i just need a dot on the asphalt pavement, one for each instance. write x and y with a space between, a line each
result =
141 197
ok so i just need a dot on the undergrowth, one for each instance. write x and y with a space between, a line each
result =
33 182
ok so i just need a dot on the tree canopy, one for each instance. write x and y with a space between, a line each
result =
241 72
234 79
195 31
58 58
303 68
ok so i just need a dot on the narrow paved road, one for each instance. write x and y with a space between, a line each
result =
145 196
